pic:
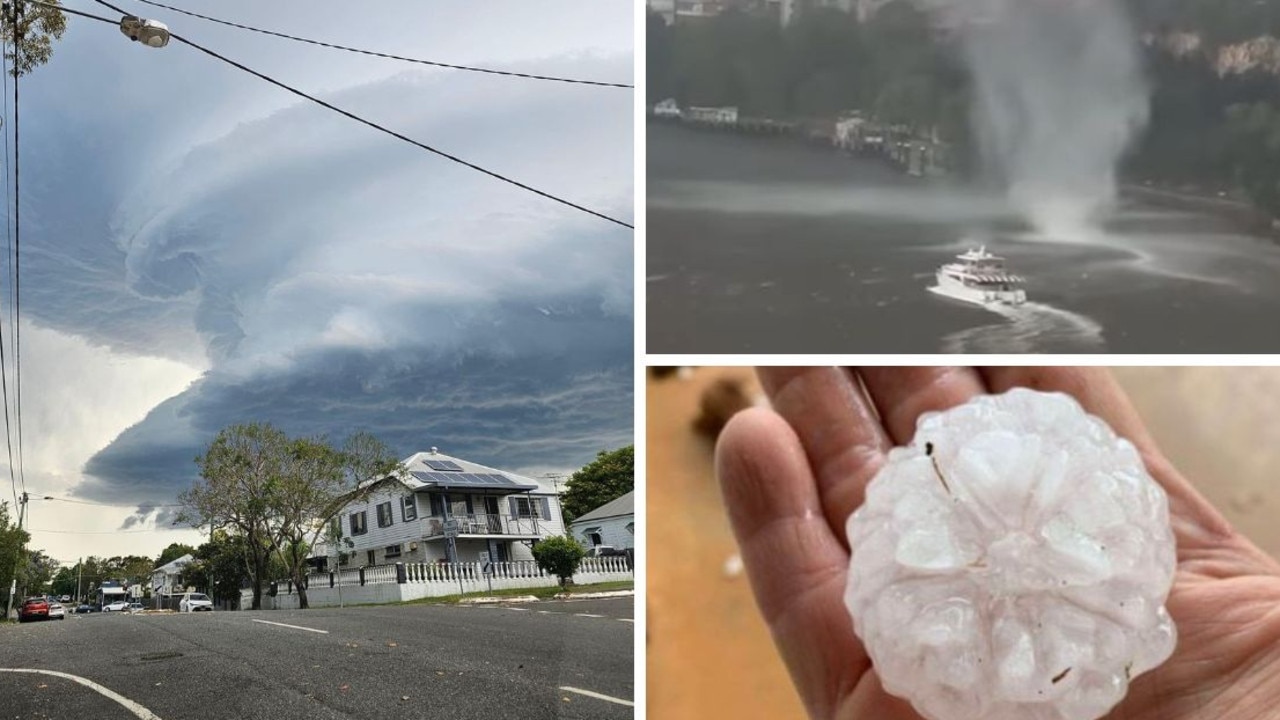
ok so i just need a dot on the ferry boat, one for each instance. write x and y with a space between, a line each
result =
980 277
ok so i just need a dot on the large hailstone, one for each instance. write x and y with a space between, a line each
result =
1012 563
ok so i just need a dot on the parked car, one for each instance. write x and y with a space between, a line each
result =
116 606
195 602
57 611
134 607
83 608
36 608
65 599
604 551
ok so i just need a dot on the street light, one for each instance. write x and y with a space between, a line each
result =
151 33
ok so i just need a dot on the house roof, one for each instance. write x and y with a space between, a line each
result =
174 565
434 469
622 505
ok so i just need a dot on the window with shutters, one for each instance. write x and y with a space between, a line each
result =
384 514
359 523
522 507
531 507
409 507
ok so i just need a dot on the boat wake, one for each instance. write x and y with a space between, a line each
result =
1029 328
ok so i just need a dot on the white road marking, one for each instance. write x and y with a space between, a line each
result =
587 615
545 612
295 627
598 696
519 609
133 707
626 620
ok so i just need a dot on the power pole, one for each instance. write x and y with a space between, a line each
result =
79 575
22 550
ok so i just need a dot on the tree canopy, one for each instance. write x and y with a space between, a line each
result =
611 475
278 493
12 541
38 27
173 552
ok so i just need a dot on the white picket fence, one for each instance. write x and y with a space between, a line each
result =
379 583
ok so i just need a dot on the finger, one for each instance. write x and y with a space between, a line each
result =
1195 518
797 566
842 437
902 395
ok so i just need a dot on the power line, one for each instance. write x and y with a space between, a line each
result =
400 136
8 228
17 248
133 505
389 56
381 128
4 373
90 532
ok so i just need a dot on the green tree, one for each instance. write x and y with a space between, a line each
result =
173 552
559 555
38 570
317 482
12 541
38 27
237 473
302 500
609 476
64 582
219 567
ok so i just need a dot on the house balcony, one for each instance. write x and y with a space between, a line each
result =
483 526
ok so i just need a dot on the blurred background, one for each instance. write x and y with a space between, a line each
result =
709 653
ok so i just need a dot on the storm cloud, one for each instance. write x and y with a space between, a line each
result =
326 277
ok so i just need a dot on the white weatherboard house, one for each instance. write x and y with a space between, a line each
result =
164 579
492 515
613 523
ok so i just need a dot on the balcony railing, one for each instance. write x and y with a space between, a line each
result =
483 525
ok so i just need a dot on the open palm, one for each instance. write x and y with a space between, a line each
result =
792 475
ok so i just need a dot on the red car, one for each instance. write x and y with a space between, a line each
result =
36 608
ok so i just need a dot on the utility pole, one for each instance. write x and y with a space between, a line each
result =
22 550
79 575
555 485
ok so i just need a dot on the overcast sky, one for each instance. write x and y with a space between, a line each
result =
200 248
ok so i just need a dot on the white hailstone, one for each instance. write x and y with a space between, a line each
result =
1012 563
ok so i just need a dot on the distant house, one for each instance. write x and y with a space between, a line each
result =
164 579
613 523
444 508
112 590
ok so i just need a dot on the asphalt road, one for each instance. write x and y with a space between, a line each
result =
420 661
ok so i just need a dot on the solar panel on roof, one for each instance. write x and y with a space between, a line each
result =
445 465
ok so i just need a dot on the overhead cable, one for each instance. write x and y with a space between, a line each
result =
389 56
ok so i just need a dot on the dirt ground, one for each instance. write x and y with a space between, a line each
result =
709 653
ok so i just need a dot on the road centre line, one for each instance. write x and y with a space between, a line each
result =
588 615
630 620
597 696
295 627
139 711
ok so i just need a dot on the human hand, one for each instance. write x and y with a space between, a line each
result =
792 475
